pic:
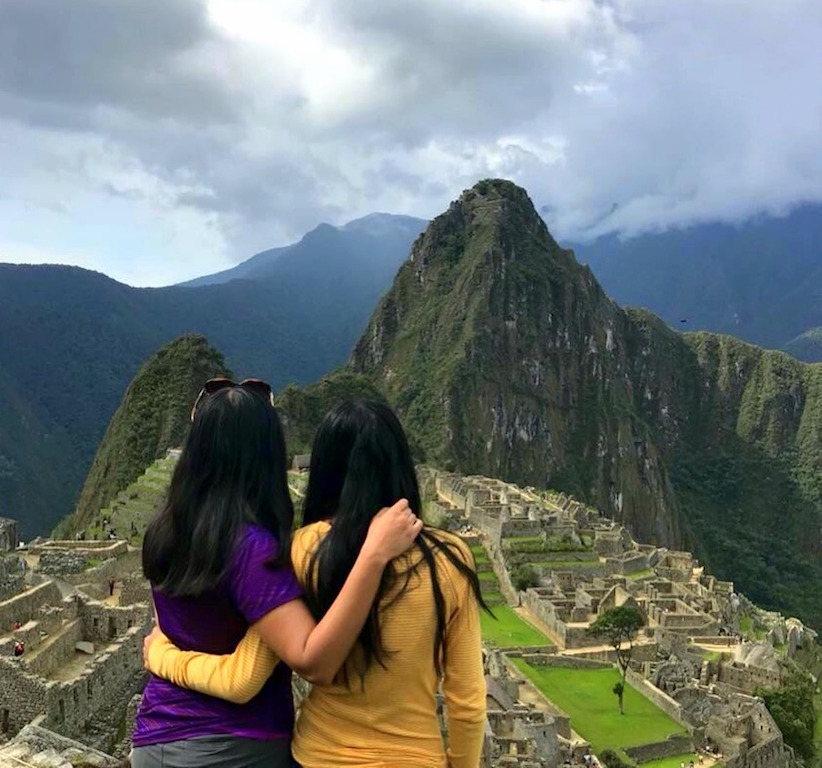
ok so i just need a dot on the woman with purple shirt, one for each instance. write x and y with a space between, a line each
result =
217 556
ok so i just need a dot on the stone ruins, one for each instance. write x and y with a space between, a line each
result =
71 635
691 660
81 608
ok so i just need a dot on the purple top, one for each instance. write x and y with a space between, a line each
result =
215 622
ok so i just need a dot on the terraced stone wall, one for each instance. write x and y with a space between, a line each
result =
662 700
117 568
24 606
103 623
135 590
12 577
56 653
748 678
102 692
59 562
98 549
675 745
23 697
771 754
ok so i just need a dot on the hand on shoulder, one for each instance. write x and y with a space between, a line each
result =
392 532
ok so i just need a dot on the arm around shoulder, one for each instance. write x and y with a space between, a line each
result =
237 677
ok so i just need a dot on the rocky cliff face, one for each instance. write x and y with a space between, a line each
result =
504 357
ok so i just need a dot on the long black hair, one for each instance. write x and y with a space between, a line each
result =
232 470
360 463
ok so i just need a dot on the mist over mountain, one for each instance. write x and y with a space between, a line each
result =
760 280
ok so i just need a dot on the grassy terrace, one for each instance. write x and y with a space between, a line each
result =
549 553
586 696
551 544
507 630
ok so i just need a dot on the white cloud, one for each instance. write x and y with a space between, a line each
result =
216 128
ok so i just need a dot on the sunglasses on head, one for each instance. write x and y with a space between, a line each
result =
260 387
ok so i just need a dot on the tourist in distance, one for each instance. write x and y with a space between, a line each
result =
217 559
423 627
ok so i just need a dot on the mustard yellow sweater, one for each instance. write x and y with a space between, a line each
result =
391 719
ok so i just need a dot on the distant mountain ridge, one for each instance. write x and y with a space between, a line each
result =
71 340
379 242
760 280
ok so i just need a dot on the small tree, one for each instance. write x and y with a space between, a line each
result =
619 626
524 577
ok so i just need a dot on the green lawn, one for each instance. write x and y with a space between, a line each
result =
586 696
508 629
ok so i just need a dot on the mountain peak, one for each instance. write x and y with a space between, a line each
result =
504 357
491 223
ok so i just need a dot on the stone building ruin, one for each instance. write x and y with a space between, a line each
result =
82 659
690 659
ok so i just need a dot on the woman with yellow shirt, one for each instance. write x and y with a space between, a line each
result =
422 630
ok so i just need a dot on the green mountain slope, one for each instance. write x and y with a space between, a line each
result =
303 408
505 357
153 417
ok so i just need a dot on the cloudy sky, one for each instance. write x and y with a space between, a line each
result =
156 140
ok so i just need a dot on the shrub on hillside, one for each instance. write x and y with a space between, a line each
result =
524 577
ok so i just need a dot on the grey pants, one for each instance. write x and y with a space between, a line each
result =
215 752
